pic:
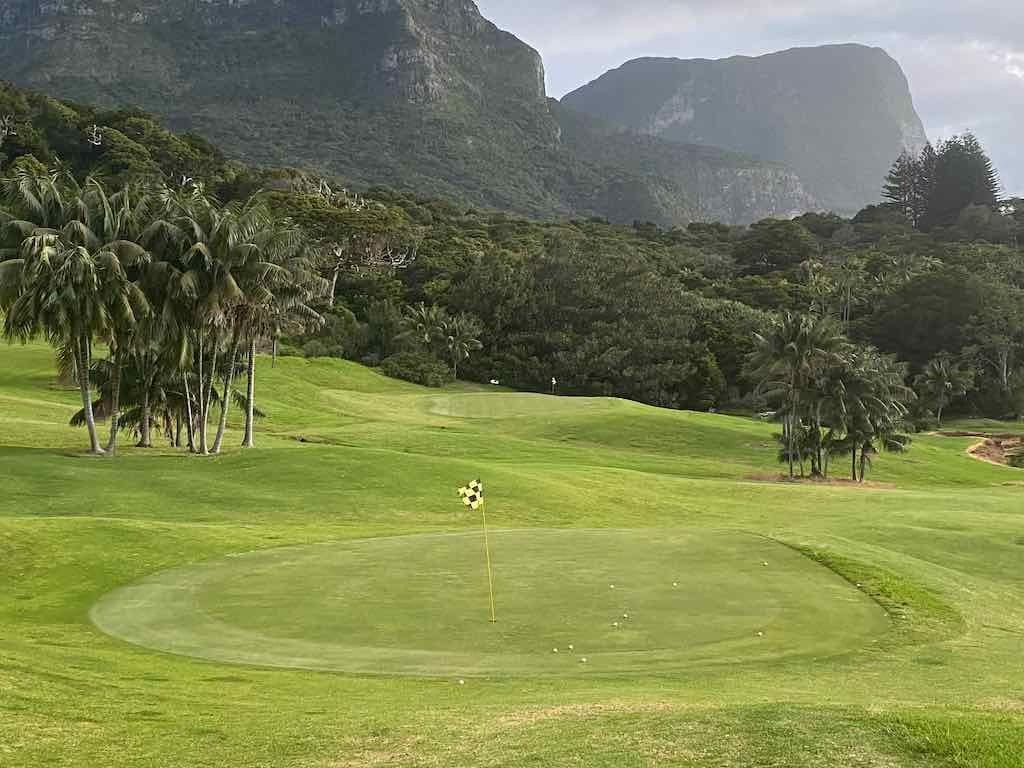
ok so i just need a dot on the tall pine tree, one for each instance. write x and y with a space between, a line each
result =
901 186
964 176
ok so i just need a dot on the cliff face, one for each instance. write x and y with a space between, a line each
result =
413 94
837 115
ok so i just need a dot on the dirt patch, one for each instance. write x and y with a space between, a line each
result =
529 717
1003 705
1003 450
839 482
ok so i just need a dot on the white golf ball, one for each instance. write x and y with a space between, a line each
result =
462 682
760 634
611 586
570 648
554 650
615 624
765 564
583 660
625 615
675 583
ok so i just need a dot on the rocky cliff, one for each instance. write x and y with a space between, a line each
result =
414 94
837 115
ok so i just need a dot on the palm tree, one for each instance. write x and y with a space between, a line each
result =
460 335
214 242
280 287
425 324
786 360
69 280
71 295
118 219
874 407
942 381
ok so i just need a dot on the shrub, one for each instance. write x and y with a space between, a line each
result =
417 368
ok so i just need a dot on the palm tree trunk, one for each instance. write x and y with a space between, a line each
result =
225 400
82 366
202 397
863 463
249 441
206 397
145 436
853 468
334 284
938 417
115 403
189 416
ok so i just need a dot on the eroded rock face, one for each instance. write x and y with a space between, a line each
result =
837 115
410 48
424 95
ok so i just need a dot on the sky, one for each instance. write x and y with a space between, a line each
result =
964 60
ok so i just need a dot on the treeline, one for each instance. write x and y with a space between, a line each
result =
930 283
936 187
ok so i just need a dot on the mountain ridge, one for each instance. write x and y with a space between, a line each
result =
422 95
838 115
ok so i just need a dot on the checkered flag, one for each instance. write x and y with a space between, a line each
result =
473 494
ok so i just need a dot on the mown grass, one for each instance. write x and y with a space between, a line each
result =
938 536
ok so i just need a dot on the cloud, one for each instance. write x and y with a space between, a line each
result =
964 61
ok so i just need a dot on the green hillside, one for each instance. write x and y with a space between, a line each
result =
419 96
889 615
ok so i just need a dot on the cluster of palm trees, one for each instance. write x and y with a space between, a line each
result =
451 337
178 289
832 397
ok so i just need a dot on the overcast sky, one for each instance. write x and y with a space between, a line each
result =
964 60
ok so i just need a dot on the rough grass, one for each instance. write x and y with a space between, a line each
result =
937 541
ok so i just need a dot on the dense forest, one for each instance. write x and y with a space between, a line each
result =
925 289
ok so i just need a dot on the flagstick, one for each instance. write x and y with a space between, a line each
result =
487 550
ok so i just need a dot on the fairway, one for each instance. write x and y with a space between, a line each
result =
314 603
627 601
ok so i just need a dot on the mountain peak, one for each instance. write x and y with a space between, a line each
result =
838 114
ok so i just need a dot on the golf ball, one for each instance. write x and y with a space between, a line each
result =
675 583
615 624
554 650
765 564
611 586
760 634
625 615
570 648
583 660
462 682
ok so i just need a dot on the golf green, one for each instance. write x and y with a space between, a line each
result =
610 601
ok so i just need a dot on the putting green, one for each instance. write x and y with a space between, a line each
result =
490 405
417 605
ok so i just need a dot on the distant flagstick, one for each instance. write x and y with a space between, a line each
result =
473 497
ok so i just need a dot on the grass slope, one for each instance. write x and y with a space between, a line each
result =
937 542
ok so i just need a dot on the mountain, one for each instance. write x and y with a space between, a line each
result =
425 95
837 115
